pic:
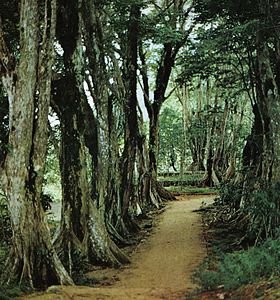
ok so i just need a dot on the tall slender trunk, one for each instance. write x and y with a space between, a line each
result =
210 177
218 156
154 139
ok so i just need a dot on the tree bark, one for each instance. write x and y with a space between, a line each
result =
82 230
82 233
33 261
127 192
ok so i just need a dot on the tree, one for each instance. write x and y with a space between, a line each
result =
131 117
33 260
222 54
82 230
177 14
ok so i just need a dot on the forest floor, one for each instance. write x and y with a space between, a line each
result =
161 265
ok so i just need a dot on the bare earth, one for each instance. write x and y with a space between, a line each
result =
161 266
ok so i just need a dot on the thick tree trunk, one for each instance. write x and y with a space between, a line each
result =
113 207
74 179
270 111
261 152
33 261
82 229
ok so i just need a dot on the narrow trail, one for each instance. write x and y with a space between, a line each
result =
161 267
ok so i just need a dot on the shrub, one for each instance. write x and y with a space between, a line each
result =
242 267
264 212
230 194
9 293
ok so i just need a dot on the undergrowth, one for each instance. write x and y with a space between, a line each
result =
191 190
9 293
242 267
245 241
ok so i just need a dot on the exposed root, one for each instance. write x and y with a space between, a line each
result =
35 270
116 237
163 193
122 229
69 248
102 249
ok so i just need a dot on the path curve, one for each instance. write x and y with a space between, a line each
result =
161 266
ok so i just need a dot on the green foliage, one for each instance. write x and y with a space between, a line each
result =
191 190
9 293
263 208
238 10
230 194
10 18
187 184
186 177
171 137
243 267
52 181
219 51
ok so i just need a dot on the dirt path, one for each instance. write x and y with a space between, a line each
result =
161 266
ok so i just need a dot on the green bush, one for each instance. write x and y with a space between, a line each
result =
242 267
262 206
264 212
191 190
230 194
9 293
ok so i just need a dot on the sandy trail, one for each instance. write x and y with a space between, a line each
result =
161 267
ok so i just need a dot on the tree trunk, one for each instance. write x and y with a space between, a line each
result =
33 261
82 230
270 111
259 151
154 139
210 178
218 156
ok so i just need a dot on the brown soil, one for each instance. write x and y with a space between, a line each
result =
161 266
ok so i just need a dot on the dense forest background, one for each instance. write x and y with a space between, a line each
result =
100 100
